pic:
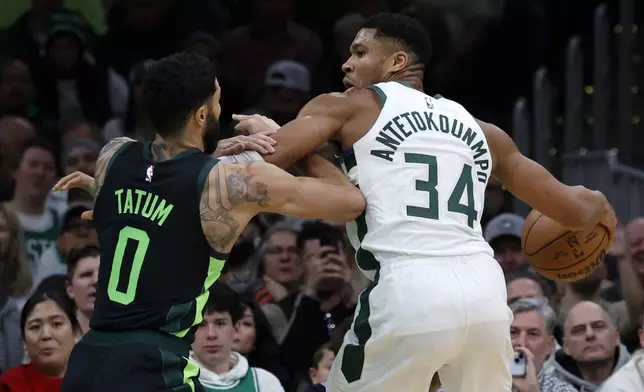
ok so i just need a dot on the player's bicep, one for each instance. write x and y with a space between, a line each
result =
531 182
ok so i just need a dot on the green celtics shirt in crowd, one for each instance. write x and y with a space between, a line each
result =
241 378
40 232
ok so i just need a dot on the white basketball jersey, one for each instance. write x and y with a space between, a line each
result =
423 168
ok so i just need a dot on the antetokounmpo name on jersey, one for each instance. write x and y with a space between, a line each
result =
398 129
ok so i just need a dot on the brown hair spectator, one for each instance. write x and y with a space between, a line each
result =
15 275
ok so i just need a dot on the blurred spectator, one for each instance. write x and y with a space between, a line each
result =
17 90
321 364
532 333
204 44
78 128
280 264
629 251
524 283
14 131
81 284
255 340
136 123
221 367
70 83
249 50
138 30
26 37
287 87
49 332
630 378
591 350
15 282
81 155
497 201
326 297
34 177
588 289
75 232
57 283
503 233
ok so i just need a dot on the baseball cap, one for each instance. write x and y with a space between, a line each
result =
74 211
506 224
289 74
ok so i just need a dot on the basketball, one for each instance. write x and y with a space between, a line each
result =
560 254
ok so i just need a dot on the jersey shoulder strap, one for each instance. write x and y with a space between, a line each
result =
117 153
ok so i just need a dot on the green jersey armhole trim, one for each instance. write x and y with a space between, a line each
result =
381 94
438 96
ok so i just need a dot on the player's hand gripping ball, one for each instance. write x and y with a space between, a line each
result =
561 254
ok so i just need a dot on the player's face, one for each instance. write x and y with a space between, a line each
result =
211 125
214 338
528 330
245 337
49 337
372 60
82 286
36 173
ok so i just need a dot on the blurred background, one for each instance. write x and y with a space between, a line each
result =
563 77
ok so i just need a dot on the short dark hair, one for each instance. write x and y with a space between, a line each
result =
318 230
41 296
223 299
34 143
78 254
174 88
407 31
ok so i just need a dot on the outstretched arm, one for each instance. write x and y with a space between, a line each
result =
234 193
575 207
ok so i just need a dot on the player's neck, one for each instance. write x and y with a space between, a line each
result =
412 76
176 147
28 205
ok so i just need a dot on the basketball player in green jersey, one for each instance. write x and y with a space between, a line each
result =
167 219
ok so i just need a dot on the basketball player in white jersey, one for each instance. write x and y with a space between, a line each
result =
438 299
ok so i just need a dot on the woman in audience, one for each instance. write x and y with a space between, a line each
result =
256 342
49 332
15 282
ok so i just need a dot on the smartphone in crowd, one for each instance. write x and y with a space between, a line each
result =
518 365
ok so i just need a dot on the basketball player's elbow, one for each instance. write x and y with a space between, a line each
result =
353 205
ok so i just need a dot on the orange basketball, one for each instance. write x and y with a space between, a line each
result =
561 254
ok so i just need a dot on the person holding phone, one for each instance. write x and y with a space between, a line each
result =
531 333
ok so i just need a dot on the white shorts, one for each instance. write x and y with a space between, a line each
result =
445 315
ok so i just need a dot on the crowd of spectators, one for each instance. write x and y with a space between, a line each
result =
69 76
